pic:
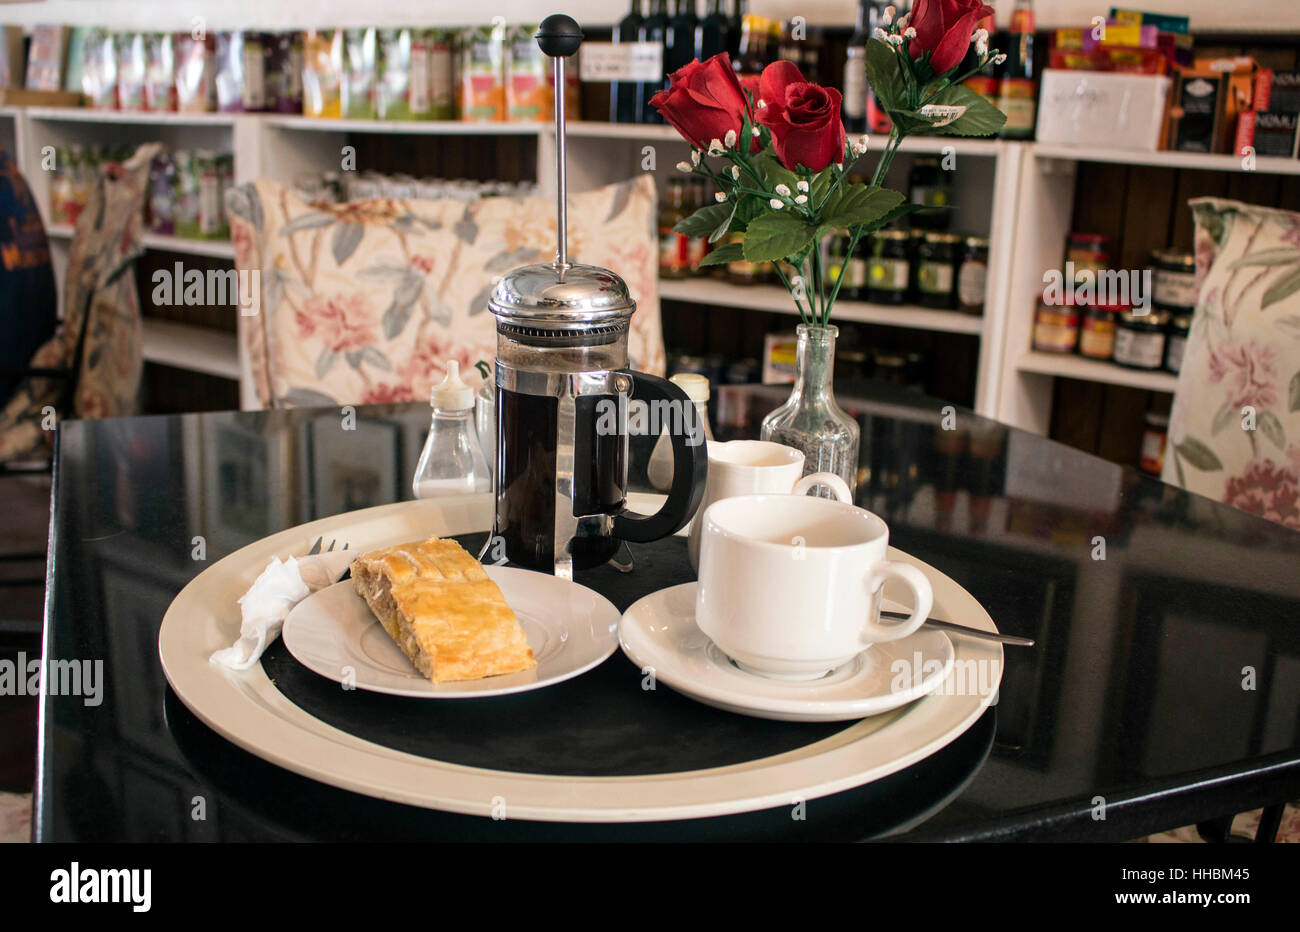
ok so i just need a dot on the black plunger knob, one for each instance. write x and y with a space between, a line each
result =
559 35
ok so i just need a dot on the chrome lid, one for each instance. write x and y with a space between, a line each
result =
575 299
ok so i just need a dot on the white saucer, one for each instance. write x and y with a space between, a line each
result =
659 632
569 627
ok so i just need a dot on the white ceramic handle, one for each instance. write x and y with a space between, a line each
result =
828 479
873 631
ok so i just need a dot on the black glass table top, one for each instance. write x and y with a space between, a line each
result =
1164 688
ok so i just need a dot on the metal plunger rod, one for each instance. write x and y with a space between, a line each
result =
559 37
561 185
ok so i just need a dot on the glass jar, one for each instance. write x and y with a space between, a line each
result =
1086 252
1097 330
1155 432
935 260
930 186
811 421
1056 329
972 275
1180 325
889 269
1173 279
741 271
1140 340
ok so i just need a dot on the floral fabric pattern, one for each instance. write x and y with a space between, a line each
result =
100 283
365 302
1234 432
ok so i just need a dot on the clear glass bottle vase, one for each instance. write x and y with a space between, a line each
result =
810 420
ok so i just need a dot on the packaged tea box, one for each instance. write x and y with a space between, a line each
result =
403 89
360 72
241 72
195 62
130 71
529 96
211 214
45 57
159 72
284 72
185 197
99 73
442 74
253 87
162 183
11 71
322 73
482 75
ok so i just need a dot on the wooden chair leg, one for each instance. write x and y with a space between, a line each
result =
1270 820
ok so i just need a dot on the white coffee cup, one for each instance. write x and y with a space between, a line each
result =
747 467
789 586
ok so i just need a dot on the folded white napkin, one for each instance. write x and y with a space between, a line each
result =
280 587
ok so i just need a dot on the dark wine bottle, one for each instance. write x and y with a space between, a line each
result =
679 44
737 18
854 104
713 34
623 94
1018 88
654 28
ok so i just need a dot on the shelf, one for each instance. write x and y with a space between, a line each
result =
933 145
220 249
776 298
1201 161
407 127
1095 370
196 349
151 117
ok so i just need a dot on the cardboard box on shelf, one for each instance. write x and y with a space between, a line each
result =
1081 107
45 58
1197 115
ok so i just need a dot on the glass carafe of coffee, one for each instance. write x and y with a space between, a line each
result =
563 390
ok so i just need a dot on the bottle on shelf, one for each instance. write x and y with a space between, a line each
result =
452 461
930 186
623 95
878 120
984 82
801 45
853 106
713 34
679 254
754 55
1017 81
654 28
739 11
679 41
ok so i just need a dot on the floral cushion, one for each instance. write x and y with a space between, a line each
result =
1234 432
365 301
100 283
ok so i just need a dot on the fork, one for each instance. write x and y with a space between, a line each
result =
315 548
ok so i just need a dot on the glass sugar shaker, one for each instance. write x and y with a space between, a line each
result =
452 461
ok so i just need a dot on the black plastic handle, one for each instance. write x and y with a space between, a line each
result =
690 465
559 35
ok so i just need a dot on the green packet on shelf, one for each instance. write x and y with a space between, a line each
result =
403 88
360 70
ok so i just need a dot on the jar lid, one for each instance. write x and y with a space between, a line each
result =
1099 238
1154 317
893 234
942 238
1174 259
577 299
977 241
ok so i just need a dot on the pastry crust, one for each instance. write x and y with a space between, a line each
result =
439 606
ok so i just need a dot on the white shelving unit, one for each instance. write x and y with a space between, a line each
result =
1018 194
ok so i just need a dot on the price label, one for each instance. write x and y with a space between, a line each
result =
622 61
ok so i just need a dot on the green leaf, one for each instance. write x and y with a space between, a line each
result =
1199 455
775 235
774 172
1285 286
1272 429
747 208
884 77
1287 256
1225 417
731 252
980 119
1293 393
902 210
347 237
858 204
821 183
705 220
306 222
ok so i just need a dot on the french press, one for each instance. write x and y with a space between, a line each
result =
562 395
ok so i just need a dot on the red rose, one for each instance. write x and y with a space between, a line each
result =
944 29
804 118
703 101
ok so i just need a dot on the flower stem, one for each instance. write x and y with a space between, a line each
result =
887 157
856 234
805 318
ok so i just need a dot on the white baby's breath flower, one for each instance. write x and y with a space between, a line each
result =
719 196
683 166
890 13
695 156
735 172
801 199
909 33
761 103
783 190
902 20
730 139
895 41
776 203
754 131
980 34
999 59
860 145
802 185
715 147
881 34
